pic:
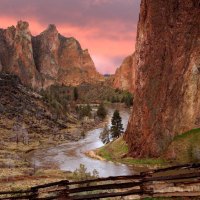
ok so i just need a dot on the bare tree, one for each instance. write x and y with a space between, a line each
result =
16 130
25 134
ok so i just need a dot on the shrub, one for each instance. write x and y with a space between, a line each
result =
76 94
101 112
81 174
84 111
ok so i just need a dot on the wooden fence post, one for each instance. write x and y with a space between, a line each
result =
34 193
64 194
145 186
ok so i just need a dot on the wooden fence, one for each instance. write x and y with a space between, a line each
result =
176 181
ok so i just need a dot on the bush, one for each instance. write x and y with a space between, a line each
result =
81 174
76 94
84 111
101 112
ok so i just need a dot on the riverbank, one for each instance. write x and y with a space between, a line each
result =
55 159
117 151
15 165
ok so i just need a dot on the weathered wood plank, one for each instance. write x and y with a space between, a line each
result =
105 187
106 195
60 183
177 194
173 177
184 166
17 197
111 178
15 192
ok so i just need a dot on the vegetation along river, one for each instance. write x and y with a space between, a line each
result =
69 156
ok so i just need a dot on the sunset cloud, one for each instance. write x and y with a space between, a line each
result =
106 27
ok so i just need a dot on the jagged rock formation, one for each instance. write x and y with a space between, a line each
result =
16 53
46 59
45 54
124 77
166 99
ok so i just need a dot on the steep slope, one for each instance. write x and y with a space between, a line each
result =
45 52
124 77
16 53
20 106
166 100
45 59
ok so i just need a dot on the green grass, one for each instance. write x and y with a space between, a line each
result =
117 150
105 154
187 134
185 148
146 161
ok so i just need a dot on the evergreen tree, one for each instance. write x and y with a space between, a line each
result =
75 94
105 135
101 112
117 126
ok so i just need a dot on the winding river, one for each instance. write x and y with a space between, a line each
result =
69 156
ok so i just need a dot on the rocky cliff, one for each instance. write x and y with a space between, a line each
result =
45 59
16 54
124 77
166 99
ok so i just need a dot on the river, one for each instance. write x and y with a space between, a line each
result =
69 156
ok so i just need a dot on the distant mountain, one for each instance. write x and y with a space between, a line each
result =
124 76
45 59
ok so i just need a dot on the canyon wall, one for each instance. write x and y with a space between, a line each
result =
124 77
166 97
46 59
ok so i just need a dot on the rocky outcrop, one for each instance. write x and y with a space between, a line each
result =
76 65
166 99
124 77
45 59
45 52
16 53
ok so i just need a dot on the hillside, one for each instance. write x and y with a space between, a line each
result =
27 121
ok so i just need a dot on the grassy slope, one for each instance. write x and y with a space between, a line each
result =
116 151
185 147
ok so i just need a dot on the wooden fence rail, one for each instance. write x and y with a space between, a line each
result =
176 181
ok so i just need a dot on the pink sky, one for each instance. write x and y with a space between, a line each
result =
106 27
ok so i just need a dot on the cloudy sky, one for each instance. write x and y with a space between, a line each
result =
106 27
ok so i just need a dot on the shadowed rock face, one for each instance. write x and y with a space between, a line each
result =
167 91
45 59
124 77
